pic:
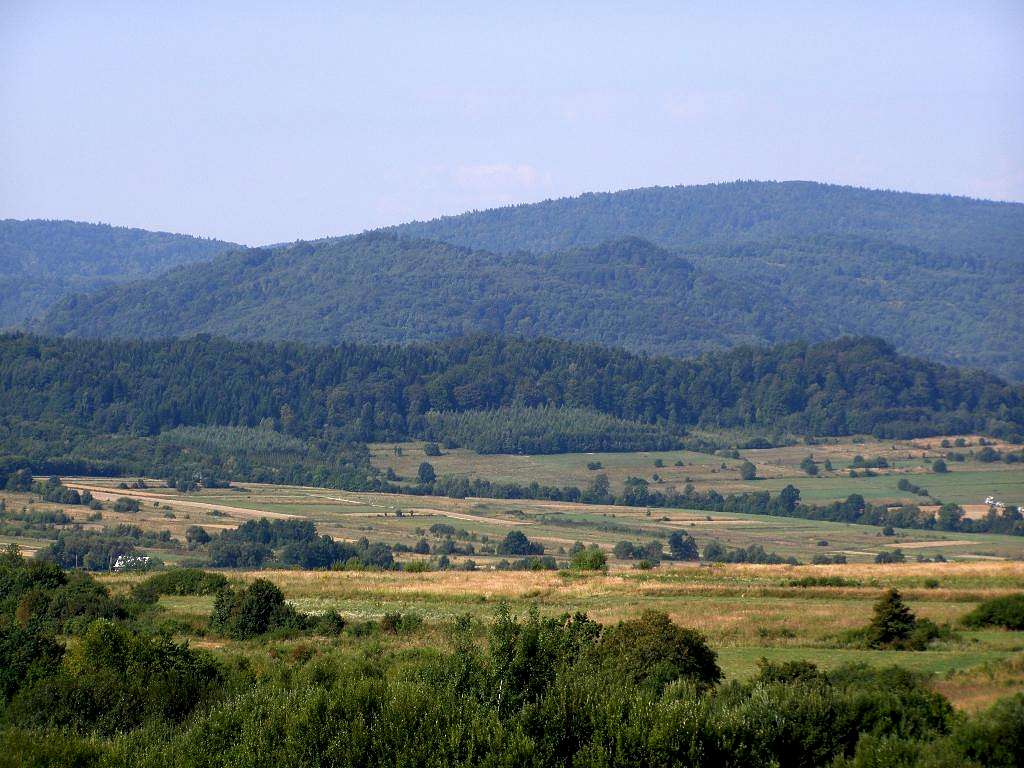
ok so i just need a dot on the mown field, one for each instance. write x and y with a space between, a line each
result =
967 483
399 518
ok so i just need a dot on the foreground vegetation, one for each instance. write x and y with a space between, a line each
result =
95 678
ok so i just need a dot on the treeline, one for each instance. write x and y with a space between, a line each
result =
545 429
356 393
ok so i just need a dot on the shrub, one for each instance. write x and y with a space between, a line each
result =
124 504
589 559
652 652
253 611
516 543
180 581
895 556
116 679
1007 612
822 581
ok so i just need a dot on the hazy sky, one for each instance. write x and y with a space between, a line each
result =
265 122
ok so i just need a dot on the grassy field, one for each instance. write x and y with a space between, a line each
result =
968 482
747 612
398 518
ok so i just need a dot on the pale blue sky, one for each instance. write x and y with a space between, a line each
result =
264 122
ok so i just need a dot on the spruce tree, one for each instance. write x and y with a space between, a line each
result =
892 621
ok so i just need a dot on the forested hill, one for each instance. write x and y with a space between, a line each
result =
667 270
378 287
939 276
45 260
361 392
956 228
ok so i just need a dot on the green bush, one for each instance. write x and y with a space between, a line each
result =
1007 612
652 652
592 558
253 611
116 679
180 581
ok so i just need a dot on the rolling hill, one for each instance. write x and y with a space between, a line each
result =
378 287
46 260
664 270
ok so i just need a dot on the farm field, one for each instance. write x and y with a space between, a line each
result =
748 612
967 483
404 519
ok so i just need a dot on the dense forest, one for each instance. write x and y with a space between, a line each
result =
665 270
44 261
376 287
545 429
937 275
74 405
742 212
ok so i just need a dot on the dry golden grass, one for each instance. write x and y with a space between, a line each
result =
980 687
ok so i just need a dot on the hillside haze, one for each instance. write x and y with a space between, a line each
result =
44 261
667 270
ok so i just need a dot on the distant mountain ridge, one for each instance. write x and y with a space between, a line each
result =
378 287
736 212
675 270
44 260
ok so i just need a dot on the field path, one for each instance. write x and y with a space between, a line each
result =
107 494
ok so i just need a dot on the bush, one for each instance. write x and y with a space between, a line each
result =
180 581
1007 612
516 543
253 611
823 581
124 504
116 679
589 559
652 652
895 556
748 471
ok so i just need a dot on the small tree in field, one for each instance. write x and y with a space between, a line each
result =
748 471
682 546
426 474
892 621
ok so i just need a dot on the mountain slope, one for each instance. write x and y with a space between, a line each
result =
377 287
732 263
739 212
46 260
938 275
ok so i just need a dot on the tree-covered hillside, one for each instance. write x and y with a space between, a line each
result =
45 260
730 264
377 287
361 393
956 228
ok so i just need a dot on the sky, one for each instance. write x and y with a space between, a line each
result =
269 122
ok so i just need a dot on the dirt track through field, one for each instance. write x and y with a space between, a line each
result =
107 494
